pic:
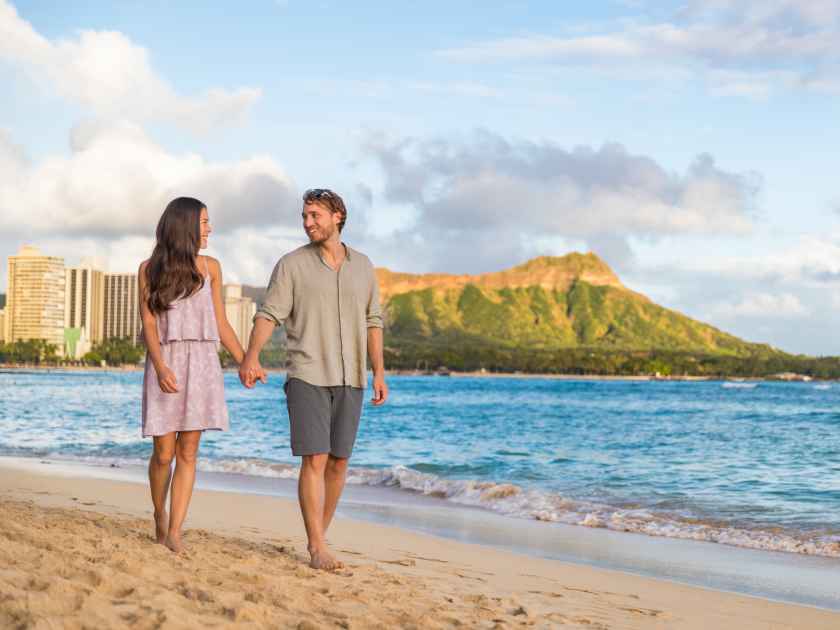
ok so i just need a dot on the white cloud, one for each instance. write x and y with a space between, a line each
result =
104 196
116 182
792 13
761 305
112 76
812 262
747 48
489 200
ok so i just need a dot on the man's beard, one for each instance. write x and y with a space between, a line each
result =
320 236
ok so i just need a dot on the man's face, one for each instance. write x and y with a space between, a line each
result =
320 224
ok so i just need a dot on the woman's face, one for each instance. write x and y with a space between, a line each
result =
206 229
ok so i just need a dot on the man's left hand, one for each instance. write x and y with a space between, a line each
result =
380 390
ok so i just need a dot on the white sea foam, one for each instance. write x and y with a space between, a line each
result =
512 500
515 501
729 385
255 468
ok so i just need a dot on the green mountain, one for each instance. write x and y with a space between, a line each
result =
548 303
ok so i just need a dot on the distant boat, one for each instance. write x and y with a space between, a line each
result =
739 385
791 376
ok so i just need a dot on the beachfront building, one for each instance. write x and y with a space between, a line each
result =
240 311
121 318
76 345
35 297
2 325
84 309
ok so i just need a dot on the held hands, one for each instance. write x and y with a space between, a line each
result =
167 381
250 371
380 390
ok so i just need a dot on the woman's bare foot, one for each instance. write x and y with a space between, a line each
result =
321 558
161 526
173 542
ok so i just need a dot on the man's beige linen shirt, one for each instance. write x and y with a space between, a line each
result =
326 313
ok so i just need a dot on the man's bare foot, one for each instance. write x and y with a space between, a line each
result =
173 542
161 526
321 558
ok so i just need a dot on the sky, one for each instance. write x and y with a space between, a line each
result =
692 145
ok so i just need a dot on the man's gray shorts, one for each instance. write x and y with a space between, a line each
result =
323 419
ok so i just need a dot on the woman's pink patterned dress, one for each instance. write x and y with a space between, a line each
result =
189 343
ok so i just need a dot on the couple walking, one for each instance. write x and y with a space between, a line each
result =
326 295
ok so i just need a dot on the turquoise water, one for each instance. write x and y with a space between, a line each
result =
753 465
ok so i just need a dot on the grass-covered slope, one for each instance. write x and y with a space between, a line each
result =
548 303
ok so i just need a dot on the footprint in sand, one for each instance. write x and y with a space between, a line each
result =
547 594
647 612
469 577
416 557
404 562
601 593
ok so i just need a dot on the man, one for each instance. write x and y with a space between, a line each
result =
327 296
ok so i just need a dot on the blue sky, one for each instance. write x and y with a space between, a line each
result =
693 145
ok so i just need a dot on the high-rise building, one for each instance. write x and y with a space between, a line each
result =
35 297
240 311
2 325
84 306
122 313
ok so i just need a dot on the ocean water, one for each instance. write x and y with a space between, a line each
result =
750 465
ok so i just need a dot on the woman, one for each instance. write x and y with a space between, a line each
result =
183 389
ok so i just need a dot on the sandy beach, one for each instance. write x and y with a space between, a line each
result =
78 553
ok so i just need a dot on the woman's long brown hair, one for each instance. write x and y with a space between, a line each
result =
171 272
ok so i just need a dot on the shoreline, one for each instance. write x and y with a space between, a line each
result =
419 579
13 368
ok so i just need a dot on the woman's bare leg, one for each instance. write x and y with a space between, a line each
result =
186 453
160 470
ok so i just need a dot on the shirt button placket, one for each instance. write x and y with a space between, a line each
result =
340 325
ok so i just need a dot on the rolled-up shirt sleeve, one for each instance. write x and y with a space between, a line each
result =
374 310
278 296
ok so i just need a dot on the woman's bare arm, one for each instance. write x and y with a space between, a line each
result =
226 334
166 378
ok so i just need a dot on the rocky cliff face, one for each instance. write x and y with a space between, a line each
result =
552 273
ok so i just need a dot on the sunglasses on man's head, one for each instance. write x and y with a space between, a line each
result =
317 193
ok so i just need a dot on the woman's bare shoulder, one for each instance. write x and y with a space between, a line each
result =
212 264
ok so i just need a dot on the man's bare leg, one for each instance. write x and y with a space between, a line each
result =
311 497
335 476
160 472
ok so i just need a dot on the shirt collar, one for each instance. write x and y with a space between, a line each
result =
347 255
